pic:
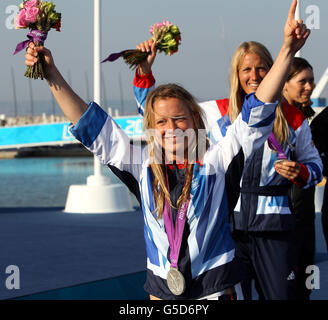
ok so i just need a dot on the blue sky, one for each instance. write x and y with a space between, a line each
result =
211 31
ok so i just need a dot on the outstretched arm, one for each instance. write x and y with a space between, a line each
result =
91 125
71 104
295 35
144 80
254 124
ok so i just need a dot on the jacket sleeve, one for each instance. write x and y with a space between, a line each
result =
319 129
249 131
99 133
307 155
142 85
211 115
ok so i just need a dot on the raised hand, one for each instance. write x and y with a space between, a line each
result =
295 35
147 46
295 32
31 57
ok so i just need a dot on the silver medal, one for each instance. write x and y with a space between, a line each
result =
175 281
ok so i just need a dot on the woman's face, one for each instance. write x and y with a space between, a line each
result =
172 119
298 89
252 70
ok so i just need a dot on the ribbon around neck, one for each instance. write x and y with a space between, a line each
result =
33 36
174 233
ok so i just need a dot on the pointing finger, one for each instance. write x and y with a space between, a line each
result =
292 10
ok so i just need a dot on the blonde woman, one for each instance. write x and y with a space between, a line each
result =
190 254
262 221
264 224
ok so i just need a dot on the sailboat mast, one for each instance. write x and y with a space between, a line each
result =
87 86
31 97
14 92
121 93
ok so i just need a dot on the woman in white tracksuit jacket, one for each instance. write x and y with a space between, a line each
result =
206 240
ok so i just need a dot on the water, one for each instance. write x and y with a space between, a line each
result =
43 182
126 107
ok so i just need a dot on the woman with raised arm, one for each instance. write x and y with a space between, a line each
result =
190 252
262 221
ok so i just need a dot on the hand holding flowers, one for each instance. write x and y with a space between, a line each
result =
167 39
39 17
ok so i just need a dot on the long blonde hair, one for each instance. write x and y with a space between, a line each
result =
160 189
237 94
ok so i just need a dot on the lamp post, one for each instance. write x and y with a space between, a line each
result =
98 195
97 178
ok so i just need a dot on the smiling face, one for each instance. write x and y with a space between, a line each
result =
172 119
251 71
298 89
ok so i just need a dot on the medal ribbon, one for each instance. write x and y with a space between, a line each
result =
174 234
274 144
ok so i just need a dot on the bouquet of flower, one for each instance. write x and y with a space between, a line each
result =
39 17
166 36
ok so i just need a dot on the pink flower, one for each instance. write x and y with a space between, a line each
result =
166 23
31 14
31 3
20 20
151 30
159 25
